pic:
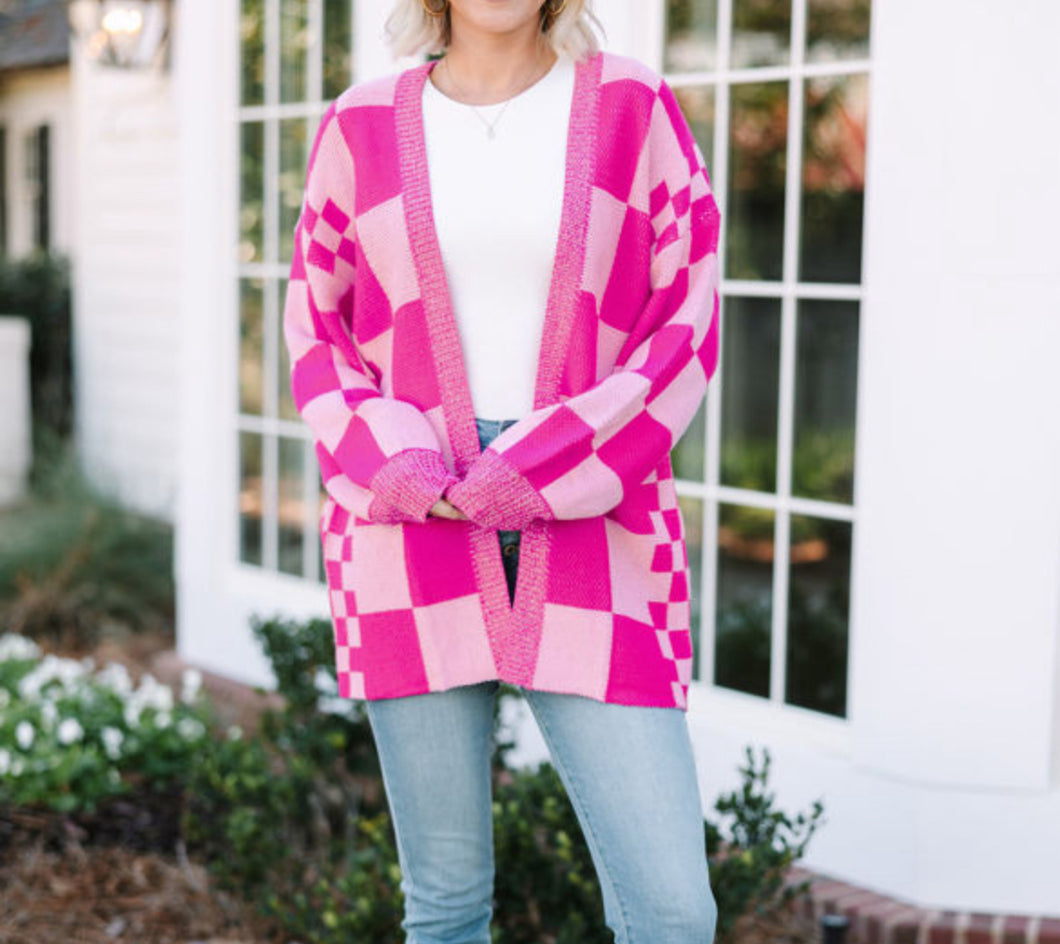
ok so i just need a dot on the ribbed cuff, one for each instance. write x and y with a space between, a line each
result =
494 494
408 485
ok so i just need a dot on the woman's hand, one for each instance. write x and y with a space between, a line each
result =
442 509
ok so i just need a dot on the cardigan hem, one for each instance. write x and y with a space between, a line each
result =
629 697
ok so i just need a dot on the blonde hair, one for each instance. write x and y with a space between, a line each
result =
410 29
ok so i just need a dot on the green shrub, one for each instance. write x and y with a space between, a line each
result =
75 564
753 848
283 819
545 887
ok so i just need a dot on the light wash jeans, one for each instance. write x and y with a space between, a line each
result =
629 773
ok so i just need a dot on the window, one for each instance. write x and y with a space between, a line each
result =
295 57
776 92
38 186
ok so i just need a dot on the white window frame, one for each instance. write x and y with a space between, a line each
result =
789 290
269 426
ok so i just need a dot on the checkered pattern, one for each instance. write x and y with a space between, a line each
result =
658 242
630 341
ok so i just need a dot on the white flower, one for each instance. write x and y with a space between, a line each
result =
112 738
88 663
70 730
5 760
153 694
234 732
5 698
48 713
24 735
132 714
191 729
68 673
17 766
162 719
115 677
16 646
191 683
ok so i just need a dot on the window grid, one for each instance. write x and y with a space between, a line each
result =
273 271
789 290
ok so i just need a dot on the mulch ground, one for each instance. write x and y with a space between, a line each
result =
102 895
108 895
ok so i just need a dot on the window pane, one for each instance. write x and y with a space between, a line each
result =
691 35
338 47
250 498
252 47
42 204
761 33
757 162
750 338
294 48
826 382
837 29
745 598
833 178
251 346
284 397
697 103
692 515
688 455
291 509
293 159
818 611
251 192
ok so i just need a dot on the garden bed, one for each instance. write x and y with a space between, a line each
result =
149 801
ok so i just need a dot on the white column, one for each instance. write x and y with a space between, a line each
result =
956 610
16 446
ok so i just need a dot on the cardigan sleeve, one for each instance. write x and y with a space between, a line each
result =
379 456
580 457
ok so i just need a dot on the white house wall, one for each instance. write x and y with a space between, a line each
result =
127 280
942 786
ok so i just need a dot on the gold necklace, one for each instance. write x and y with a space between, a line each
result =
490 125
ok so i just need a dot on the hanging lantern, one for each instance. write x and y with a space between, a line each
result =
129 34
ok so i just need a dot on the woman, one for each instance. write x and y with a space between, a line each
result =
502 313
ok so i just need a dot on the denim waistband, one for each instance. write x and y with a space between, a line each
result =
488 430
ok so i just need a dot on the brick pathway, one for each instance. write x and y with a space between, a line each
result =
877 919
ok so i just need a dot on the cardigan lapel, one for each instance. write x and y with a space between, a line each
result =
434 289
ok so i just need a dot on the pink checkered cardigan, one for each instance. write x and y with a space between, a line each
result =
630 339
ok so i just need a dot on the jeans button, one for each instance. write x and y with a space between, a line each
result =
510 550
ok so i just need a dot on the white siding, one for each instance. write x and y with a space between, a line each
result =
127 280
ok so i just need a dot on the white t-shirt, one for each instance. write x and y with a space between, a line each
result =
496 205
